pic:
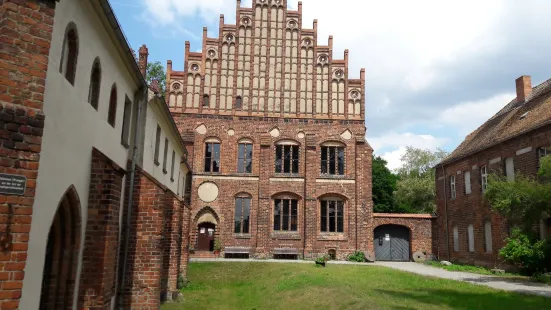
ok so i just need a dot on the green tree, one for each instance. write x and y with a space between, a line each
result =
523 201
415 190
384 186
156 71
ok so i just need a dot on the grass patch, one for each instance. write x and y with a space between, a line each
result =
303 286
473 269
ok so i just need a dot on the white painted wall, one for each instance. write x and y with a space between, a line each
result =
155 116
72 128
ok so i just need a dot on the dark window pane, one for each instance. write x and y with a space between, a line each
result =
249 166
294 215
285 224
246 214
332 216
278 159
237 219
332 160
323 224
215 157
340 216
341 161
295 158
241 165
323 159
277 208
241 151
287 159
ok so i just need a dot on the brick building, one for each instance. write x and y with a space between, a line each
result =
84 141
510 142
275 129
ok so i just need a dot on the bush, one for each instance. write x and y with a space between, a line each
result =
182 282
357 257
323 259
527 253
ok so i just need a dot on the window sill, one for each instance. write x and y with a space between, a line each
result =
332 176
242 236
332 237
286 236
287 175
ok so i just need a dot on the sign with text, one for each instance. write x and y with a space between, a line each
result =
11 184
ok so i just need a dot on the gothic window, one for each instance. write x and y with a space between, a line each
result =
172 166
287 157
157 143
332 159
95 83
212 156
126 122
242 215
69 54
238 103
285 214
332 215
165 155
245 157
206 101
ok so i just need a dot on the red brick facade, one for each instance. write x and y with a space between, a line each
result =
26 28
522 148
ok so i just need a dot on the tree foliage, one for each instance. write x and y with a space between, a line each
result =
156 71
523 250
415 189
525 200
384 186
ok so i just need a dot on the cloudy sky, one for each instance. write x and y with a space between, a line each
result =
436 70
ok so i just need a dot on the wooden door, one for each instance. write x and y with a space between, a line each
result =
205 237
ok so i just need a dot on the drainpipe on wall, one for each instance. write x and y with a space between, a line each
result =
132 174
305 199
446 213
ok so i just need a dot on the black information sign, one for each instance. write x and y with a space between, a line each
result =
11 184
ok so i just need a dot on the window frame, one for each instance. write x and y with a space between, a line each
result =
468 189
126 120
157 145
453 193
339 164
165 155
94 89
483 178
455 231
238 103
293 158
70 48
172 166
337 219
206 101
244 159
470 238
488 238
543 151
242 214
215 156
112 112
281 215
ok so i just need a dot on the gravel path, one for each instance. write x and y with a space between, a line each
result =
500 283
506 284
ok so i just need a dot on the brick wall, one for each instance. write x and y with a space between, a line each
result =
24 50
468 209
157 246
419 225
263 184
99 259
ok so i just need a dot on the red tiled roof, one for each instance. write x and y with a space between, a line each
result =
404 215
512 120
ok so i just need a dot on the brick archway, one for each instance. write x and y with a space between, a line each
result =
204 221
61 259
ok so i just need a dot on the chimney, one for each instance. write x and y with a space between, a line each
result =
142 62
524 88
155 86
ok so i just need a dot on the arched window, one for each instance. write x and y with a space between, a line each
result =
245 156
332 158
332 215
287 157
285 213
470 236
488 236
206 102
69 54
112 114
238 103
456 239
242 214
212 155
95 83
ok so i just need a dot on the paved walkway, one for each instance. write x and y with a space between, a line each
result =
500 283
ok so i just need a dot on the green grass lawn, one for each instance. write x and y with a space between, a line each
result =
304 286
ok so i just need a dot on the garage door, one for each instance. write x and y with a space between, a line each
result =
391 243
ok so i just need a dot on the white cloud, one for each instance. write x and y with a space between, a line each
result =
392 146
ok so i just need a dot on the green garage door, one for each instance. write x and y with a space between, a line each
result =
391 243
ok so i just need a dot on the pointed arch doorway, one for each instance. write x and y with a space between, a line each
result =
61 258
207 222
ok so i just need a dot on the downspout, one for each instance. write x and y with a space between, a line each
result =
356 195
446 213
305 200
132 174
